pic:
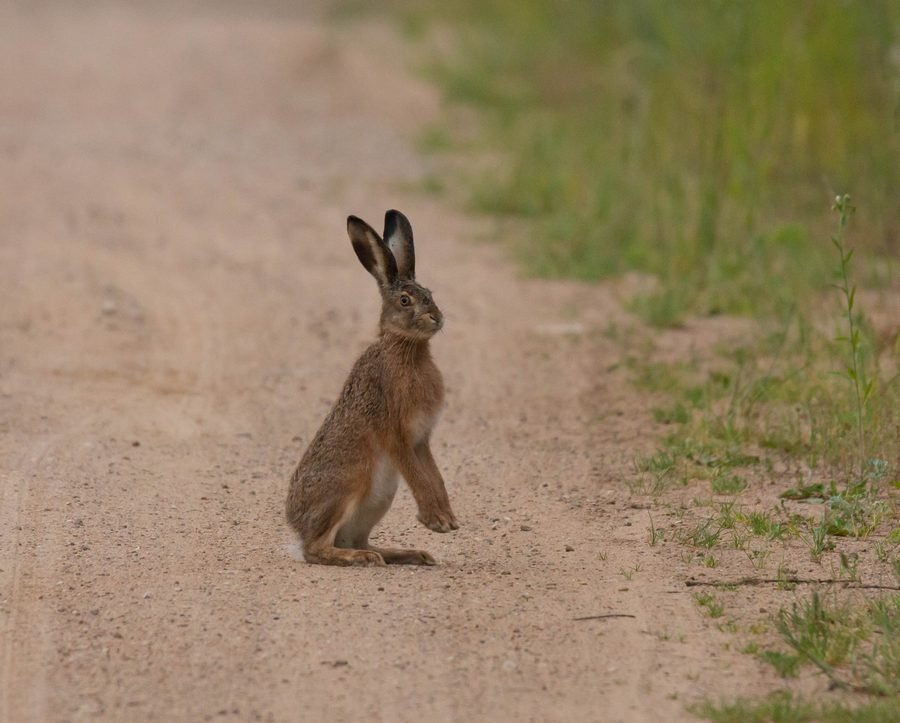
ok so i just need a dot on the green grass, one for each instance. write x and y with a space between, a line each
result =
853 511
697 141
785 664
823 635
713 607
784 707
731 527
723 483
677 413
857 646
785 392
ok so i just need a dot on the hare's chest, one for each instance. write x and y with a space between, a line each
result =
421 422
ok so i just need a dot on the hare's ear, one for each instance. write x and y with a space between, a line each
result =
371 251
398 236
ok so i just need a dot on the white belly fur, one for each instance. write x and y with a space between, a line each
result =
354 533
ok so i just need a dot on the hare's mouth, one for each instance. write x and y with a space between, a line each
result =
434 321
419 329
431 323
424 328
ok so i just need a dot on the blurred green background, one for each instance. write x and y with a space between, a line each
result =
702 141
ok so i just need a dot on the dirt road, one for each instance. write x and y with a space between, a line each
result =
179 306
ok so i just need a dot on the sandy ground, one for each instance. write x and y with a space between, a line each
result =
179 305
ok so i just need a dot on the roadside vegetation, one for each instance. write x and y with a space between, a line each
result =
699 142
709 146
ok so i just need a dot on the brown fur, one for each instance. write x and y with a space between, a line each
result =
381 424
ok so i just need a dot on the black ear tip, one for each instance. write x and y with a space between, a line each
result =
351 219
394 220
393 215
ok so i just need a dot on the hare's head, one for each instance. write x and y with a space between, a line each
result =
407 309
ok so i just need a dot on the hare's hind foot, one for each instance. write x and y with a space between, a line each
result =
404 557
340 556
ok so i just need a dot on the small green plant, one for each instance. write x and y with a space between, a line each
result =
705 534
818 633
855 511
784 577
881 665
805 492
883 552
728 517
707 601
849 569
785 664
855 370
629 574
758 556
656 536
659 474
661 462
817 539
727 484
856 645
729 626
665 308
762 524
675 414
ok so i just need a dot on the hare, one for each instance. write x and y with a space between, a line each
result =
380 426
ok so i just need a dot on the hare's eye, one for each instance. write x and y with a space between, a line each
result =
405 300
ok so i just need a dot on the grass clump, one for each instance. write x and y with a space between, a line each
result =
727 484
713 607
856 646
820 634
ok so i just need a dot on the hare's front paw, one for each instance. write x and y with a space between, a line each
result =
439 521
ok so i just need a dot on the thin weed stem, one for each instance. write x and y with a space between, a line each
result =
854 372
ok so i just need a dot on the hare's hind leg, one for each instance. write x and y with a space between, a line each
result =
394 556
327 545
